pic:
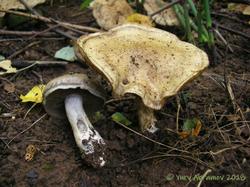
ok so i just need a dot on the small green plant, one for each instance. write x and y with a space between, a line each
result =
85 4
196 19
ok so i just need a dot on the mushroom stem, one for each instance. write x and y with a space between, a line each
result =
87 138
146 118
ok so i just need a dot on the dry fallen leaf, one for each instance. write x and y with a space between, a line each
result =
110 13
184 134
9 87
233 117
6 65
166 17
15 4
197 129
139 19
191 127
238 7
34 95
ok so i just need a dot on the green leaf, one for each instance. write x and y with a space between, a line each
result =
120 118
189 124
66 53
85 4
97 116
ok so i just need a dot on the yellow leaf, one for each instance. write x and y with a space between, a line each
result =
197 129
139 19
34 95
246 11
6 65
194 131
184 134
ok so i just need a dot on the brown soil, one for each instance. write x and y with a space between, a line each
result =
132 160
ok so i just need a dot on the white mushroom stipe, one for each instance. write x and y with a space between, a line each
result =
86 137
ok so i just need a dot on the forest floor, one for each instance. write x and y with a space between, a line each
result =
222 145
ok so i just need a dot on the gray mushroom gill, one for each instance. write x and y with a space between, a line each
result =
75 97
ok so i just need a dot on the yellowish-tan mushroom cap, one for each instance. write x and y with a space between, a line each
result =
149 62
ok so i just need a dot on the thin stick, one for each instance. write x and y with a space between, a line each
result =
25 63
188 158
23 49
50 26
203 177
229 17
34 104
223 39
50 20
25 68
233 31
22 39
178 112
151 140
27 128
25 33
164 8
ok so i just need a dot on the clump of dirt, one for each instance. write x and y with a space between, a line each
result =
133 160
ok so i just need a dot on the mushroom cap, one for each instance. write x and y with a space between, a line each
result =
110 13
59 88
149 62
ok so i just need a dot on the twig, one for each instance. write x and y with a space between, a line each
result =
50 20
164 8
34 104
183 157
241 48
22 39
235 104
225 149
151 140
25 63
233 31
7 115
44 31
25 33
178 112
217 125
229 17
50 26
23 49
219 79
203 177
26 129
223 39
231 94
25 68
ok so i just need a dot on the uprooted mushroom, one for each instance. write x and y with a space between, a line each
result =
75 97
148 62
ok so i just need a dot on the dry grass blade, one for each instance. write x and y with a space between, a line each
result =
44 115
